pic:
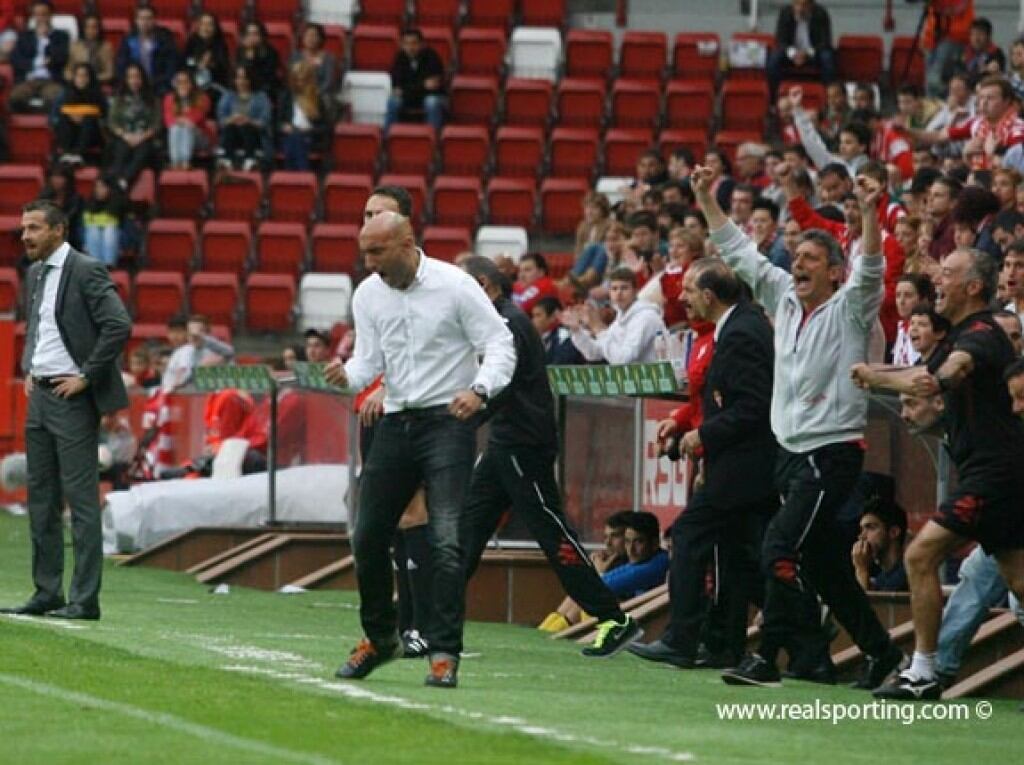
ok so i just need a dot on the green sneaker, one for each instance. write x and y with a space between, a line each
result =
613 636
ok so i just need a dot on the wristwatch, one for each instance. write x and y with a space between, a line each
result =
480 391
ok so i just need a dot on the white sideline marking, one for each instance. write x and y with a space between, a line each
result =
164 720
517 724
178 601
61 624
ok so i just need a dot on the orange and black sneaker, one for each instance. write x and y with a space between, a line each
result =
444 671
365 658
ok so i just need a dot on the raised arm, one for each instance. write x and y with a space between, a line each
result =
768 282
863 290
809 136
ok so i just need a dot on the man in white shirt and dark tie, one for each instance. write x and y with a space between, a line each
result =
76 326
423 323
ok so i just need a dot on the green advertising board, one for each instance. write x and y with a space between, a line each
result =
254 378
613 379
311 377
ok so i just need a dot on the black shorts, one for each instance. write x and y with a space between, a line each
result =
992 515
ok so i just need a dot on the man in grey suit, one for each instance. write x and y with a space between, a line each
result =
76 328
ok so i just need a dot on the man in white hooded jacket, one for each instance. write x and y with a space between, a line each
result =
629 339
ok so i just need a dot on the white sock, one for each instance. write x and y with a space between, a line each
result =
923 665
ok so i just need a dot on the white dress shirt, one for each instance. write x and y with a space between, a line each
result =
50 357
427 337
723 319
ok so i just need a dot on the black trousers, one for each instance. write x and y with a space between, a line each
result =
78 137
729 541
61 441
524 479
241 141
413 448
128 161
803 551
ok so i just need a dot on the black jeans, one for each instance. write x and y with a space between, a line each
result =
432 448
244 141
524 479
803 550
78 137
728 540
128 161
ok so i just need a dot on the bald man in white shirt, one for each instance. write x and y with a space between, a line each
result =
424 324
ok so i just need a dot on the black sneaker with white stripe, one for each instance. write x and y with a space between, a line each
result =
753 670
907 686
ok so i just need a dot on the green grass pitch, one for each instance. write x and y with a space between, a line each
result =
176 674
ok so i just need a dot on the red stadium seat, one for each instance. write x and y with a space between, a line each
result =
860 58
694 139
559 263
410 149
511 201
171 245
143 192
464 149
695 56
292 196
527 102
729 140
72 7
356 147
542 13
902 50
276 10
518 151
561 200
281 37
269 300
761 40
19 184
573 152
345 195
215 296
226 246
445 242
456 201
689 104
622 149
335 248
382 12
334 41
182 193
28 136
442 41
474 100
9 285
481 50
580 102
814 92
374 47
115 29
11 248
238 196
176 26
643 55
281 248
123 282
588 53
744 104
437 12
159 295
416 185
635 103
224 9
490 13
85 178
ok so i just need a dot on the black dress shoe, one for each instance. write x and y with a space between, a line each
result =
33 608
662 653
75 611
824 673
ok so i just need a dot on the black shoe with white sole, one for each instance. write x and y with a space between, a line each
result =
907 686
753 670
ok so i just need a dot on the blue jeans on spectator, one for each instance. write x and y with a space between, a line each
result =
413 448
103 243
939 66
181 143
593 256
296 146
433 108
981 587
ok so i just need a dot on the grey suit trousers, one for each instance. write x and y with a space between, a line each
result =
61 440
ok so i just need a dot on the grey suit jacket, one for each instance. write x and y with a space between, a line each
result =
93 323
